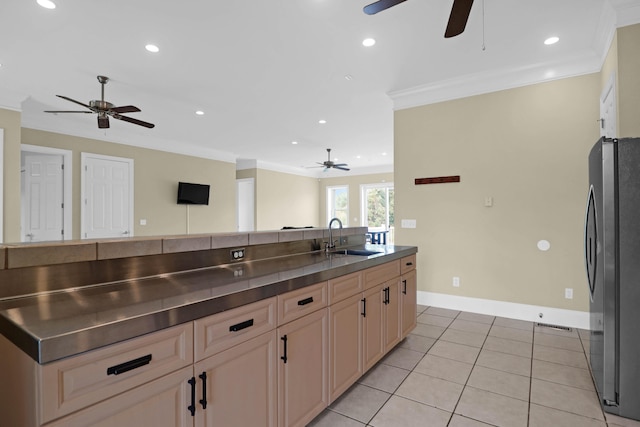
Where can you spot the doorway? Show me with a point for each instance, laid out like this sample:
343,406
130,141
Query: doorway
106,191
245,204
378,211
608,111
45,192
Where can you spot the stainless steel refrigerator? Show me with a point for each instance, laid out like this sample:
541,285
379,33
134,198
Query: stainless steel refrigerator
612,255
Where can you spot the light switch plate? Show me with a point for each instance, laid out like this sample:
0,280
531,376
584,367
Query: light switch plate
408,223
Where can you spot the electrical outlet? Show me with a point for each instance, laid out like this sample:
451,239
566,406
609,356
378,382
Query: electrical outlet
456,282
237,254
568,293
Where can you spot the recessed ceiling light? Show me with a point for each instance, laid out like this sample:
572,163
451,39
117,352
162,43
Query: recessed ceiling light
322,121
47,4
551,40
200,113
348,77
294,142
384,154
368,42
152,48
357,157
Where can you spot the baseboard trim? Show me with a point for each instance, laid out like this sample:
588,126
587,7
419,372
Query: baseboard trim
555,316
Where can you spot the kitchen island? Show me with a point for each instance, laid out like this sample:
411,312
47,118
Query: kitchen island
152,323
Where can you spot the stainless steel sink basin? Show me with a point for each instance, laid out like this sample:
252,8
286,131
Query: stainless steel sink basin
359,252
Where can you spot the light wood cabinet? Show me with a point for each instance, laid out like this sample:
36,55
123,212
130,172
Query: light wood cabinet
409,284
279,361
345,345
303,369
239,385
160,403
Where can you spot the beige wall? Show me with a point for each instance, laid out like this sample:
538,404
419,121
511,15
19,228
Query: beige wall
629,81
355,204
284,199
156,176
527,148
10,122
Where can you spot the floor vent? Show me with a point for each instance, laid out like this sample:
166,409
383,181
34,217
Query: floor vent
546,325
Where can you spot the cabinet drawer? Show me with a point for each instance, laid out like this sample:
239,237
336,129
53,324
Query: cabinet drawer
343,287
221,331
379,274
77,382
295,304
407,264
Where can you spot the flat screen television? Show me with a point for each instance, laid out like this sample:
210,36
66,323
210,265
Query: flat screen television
193,194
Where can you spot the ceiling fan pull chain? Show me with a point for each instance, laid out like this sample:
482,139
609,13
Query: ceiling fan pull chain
483,46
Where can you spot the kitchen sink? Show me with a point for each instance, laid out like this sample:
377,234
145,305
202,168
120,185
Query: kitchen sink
359,252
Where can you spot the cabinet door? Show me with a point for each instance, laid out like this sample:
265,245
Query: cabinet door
303,369
160,403
240,386
392,315
373,325
345,345
409,291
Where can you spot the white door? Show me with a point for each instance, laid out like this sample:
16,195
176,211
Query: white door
107,193
43,209
608,112
245,208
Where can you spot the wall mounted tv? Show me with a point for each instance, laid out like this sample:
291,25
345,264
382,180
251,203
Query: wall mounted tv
193,194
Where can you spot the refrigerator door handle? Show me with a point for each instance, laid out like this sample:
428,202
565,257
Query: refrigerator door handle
590,242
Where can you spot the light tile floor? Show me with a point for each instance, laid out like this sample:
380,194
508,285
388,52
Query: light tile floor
462,369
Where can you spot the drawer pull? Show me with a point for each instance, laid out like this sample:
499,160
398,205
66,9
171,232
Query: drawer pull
284,358
409,264
240,326
130,365
203,401
305,301
192,407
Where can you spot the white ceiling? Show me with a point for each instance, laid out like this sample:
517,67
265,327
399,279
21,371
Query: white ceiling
264,72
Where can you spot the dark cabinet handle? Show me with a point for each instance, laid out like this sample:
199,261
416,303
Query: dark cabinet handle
409,264
404,289
386,296
305,301
192,407
130,365
364,307
240,326
203,401
284,358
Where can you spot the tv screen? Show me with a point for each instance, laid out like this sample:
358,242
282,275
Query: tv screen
193,194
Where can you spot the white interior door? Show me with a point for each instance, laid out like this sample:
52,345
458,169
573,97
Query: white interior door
107,193
608,111
245,209
43,208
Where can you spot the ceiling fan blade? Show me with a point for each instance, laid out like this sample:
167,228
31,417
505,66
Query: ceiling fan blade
52,111
125,109
73,100
340,164
134,121
103,121
458,18
341,168
380,5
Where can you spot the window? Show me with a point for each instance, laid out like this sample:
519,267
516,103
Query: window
338,204
377,208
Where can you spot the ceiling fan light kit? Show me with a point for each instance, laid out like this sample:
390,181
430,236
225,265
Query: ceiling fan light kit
105,109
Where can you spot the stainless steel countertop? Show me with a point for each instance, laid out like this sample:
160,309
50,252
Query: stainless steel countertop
55,325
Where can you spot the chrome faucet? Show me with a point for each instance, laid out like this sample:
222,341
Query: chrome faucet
332,244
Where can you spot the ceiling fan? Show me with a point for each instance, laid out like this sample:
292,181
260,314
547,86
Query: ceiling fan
328,164
105,109
457,19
